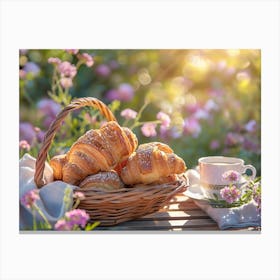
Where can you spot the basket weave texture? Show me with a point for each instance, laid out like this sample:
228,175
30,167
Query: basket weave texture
114,207
110,207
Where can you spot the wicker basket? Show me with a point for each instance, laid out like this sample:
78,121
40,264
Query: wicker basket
114,207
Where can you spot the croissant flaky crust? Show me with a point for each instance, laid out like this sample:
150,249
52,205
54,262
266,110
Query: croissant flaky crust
97,150
151,163
106,181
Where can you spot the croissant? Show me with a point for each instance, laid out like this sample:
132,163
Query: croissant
153,162
57,162
97,150
105,181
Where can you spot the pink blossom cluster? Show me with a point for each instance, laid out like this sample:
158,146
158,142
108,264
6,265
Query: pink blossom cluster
149,128
231,176
86,58
164,118
128,114
23,144
103,70
233,139
79,195
197,112
192,127
29,198
74,218
49,109
230,194
125,92
67,70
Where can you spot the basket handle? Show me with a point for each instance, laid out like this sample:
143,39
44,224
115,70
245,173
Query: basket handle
49,136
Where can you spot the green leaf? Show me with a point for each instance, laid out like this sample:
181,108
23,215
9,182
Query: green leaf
91,226
215,196
115,105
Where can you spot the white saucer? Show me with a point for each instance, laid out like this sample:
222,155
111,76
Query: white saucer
195,191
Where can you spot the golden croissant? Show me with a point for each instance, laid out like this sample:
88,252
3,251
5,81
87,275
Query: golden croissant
106,181
97,150
153,162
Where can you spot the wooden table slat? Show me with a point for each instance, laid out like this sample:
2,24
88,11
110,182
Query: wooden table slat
175,215
181,214
160,225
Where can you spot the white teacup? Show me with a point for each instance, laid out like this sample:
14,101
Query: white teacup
211,171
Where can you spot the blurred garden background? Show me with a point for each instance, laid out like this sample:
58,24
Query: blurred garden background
200,102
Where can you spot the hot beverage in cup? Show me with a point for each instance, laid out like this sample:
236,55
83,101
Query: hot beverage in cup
212,170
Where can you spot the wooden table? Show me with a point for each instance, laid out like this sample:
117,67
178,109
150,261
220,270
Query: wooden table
182,214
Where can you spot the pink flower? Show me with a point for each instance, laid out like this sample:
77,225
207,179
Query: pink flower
41,135
125,92
77,217
201,114
175,132
233,139
27,132
30,198
230,71
230,194
221,65
79,195
90,119
251,126
86,58
164,132
32,67
192,108
210,105
62,224
149,129
23,144
164,118
250,145
103,70
48,107
232,176
216,92
112,94
22,74
113,64
191,126
214,145
66,82
128,114
66,69
72,51
54,60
